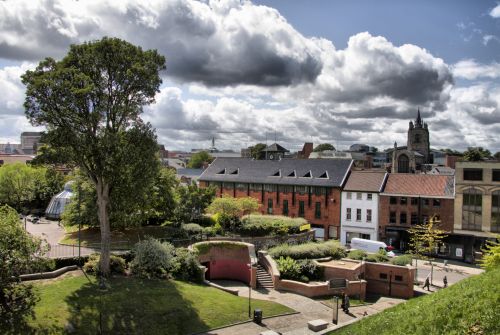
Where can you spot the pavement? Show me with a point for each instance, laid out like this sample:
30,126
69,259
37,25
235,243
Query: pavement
53,233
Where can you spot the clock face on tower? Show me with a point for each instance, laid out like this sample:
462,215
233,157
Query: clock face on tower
271,156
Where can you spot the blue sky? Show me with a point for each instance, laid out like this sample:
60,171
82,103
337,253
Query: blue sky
342,72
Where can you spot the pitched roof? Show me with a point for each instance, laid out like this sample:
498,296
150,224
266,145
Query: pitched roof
275,147
371,181
317,172
420,184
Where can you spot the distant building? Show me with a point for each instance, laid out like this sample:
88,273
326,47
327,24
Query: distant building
360,205
274,152
359,148
306,151
30,142
187,176
292,187
442,170
10,159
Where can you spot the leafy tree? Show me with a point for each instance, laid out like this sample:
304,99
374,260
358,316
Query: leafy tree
49,183
491,255
323,147
91,102
452,152
256,151
229,210
474,154
19,254
192,202
425,238
198,159
162,196
497,155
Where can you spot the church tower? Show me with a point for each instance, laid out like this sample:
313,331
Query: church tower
418,138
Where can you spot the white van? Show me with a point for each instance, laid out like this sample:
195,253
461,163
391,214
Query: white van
370,246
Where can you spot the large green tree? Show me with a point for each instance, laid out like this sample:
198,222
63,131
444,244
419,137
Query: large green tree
474,154
198,159
256,151
323,147
192,202
91,102
19,254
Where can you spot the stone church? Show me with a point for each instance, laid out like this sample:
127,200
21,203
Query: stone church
412,157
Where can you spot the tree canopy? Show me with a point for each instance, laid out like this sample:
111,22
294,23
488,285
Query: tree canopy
91,102
323,147
474,154
197,160
256,151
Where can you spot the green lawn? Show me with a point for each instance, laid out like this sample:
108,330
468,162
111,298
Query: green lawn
139,306
121,239
471,306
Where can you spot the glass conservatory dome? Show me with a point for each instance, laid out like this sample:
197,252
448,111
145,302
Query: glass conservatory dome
59,201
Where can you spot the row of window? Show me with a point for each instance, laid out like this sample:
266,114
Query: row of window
359,196
403,218
472,210
414,201
301,213
348,215
316,190
477,175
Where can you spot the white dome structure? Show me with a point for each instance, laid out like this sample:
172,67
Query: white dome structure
59,201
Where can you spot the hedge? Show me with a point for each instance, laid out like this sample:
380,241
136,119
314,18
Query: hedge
204,247
270,225
402,260
310,250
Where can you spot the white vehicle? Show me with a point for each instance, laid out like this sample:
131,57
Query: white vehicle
370,246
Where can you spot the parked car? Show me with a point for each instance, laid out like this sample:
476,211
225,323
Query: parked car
35,219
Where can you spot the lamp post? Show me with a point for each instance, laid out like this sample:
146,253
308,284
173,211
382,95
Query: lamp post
79,229
250,292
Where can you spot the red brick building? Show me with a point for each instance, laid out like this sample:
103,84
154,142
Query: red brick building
409,199
291,187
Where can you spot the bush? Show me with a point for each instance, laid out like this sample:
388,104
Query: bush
263,225
310,250
209,231
401,260
376,258
289,268
116,264
192,228
186,265
357,254
310,270
152,259
206,221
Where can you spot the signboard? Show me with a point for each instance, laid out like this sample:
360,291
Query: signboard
458,252
337,283
305,227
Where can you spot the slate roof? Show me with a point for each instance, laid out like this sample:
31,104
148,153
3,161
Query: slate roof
275,147
420,184
370,181
311,172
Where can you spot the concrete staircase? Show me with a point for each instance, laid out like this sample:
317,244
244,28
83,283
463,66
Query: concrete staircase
264,279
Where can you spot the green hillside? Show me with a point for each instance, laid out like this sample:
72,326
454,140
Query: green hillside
471,306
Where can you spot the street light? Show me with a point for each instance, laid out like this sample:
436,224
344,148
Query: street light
250,291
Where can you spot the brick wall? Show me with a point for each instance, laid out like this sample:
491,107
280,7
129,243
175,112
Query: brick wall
389,280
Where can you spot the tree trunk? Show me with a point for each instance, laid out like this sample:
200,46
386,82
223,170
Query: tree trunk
103,214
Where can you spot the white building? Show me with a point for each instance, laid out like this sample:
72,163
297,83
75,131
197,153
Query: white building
359,205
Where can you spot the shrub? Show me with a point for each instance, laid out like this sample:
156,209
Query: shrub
209,231
206,221
357,254
289,268
152,259
401,260
376,258
262,225
310,270
309,250
192,228
117,264
186,265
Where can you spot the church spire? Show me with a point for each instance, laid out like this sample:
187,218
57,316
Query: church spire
418,121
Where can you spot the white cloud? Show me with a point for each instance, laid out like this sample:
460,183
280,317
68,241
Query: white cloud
488,38
495,12
470,69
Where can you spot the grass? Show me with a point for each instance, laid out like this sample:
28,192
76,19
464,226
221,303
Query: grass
472,306
91,236
139,306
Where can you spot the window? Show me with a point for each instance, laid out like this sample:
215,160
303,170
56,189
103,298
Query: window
317,210
417,138
393,201
368,215
349,195
425,202
398,278
403,200
472,207
392,217
358,214
359,196
473,174
285,207
241,186
286,188
301,209
269,188
383,276
301,189
495,211
256,187
348,214
436,202
402,218
403,164
369,196
228,186
414,218
269,206
495,176
414,201
319,191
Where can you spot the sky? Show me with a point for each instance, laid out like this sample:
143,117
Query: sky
321,71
